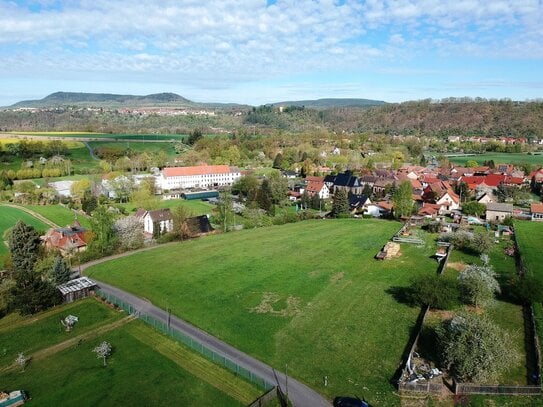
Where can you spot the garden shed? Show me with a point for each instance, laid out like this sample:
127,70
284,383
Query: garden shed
76,289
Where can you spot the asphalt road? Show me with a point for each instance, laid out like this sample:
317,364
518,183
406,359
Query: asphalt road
299,394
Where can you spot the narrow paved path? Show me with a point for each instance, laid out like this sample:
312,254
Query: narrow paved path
300,394
91,151
33,213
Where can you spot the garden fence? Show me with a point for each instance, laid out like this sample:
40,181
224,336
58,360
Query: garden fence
468,388
188,341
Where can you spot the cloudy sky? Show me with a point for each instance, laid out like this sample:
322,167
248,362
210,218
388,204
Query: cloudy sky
257,51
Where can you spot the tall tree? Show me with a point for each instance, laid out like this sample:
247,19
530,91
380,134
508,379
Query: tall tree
102,222
31,293
194,136
60,272
403,200
225,210
278,161
265,197
340,203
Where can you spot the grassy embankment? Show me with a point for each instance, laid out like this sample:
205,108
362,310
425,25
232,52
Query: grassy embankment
308,295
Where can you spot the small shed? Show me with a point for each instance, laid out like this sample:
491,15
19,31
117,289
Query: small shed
76,289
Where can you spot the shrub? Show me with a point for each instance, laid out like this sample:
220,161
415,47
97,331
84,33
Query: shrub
473,348
439,292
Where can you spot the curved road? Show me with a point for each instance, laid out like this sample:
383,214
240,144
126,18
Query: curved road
299,394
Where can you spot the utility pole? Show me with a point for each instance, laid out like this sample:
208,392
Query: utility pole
169,317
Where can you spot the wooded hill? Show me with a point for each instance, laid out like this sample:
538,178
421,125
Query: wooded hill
447,117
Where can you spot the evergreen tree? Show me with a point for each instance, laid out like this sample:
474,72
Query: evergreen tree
340,204
278,161
60,273
305,200
194,136
30,293
265,197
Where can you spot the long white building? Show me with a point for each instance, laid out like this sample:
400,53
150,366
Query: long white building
201,176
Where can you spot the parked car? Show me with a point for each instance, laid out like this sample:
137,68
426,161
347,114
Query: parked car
350,402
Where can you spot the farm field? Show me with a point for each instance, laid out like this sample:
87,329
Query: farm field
104,135
308,295
145,368
136,147
8,217
530,241
500,158
59,214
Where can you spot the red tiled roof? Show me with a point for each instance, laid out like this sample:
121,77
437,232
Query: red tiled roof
536,208
314,187
196,170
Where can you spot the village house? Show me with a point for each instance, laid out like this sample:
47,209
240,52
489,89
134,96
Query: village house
358,203
316,186
498,211
67,240
536,210
160,218
348,182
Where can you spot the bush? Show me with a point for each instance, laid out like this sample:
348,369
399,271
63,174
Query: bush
476,243
478,284
439,292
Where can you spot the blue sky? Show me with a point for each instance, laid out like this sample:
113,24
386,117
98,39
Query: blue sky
258,51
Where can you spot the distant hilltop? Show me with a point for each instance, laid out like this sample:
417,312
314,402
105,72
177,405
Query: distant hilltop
108,100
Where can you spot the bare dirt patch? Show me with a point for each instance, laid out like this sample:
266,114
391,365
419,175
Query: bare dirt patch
337,277
459,266
269,299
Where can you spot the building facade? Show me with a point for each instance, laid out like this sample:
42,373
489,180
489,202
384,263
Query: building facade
201,176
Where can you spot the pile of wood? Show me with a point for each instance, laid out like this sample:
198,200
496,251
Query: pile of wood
390,251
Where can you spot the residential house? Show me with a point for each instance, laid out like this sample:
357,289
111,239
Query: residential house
316,186
67,240
381,184
498,211
358,203
486,198
160,218
536,210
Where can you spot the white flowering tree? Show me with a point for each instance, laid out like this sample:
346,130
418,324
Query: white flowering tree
129,231
103,351
478,284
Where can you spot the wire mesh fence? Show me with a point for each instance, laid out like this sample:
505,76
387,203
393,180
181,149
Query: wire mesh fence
188,341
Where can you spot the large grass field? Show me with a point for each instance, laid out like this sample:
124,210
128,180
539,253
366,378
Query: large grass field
530,241
8,218
500,158
145,368
59,214
308,295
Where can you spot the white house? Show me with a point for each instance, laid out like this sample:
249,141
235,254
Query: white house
161,218
536,209
316,185
450,200
201,176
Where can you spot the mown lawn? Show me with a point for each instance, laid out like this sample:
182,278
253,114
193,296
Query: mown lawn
32,333
530,241
138,147
8,217
59,214
195,207
140,372
308,295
